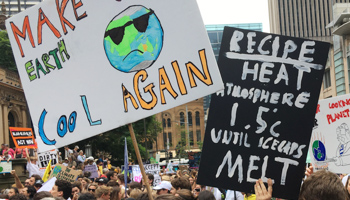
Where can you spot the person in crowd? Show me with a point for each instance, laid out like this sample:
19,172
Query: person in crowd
121,181
181,183
76,190
103,193
67,152
135,193
81,157
28,191
9,150
84,183
118,170
206,195
92,188
38,184
135,185
116,194
12,191
144,196
163,188
87,196
71,162
112,175
18,197
102,181
62,188
347,188
32,166
20,153
150,179
196,190
75,152
112,183
104,173
5,156
99,167
42,194
185,194
167,197
109,165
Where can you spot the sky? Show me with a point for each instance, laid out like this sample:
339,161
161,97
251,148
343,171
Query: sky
234,12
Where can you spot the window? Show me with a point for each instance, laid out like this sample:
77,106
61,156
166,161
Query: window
213,37
164,123
169,122
191,138
189,118
170,139
182,119
327,79
198,133
165,140
198,120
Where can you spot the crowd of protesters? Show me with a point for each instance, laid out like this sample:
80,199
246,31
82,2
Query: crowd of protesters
182,185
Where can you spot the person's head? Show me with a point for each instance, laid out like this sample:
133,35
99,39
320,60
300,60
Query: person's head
144,196
102,181
112,183
181,183
135,185
191,180
206,195
12,191
103,192
322,185
84,182
18,197
116,193
81,152
2,146
36,177
105,171
185,194
6,146
76,148
120,178
163,188
28,182
28,191
87,196
87,174
112,175
66,148
92,188
62,188
347,187
150,178
197,189
167,197
76,188
38,184
343,133
135,193
41,195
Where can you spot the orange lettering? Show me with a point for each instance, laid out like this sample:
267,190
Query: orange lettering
63,20
180,80
75,7
192,69
126,95
164,83
17,32
44,20
149,88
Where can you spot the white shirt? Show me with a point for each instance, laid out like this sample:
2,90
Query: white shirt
230,195
34,169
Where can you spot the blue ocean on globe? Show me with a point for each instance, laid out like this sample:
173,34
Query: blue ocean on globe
319,150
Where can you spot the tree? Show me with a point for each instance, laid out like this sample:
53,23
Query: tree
7,59
112,141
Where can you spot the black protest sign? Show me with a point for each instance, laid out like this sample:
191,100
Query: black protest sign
260,125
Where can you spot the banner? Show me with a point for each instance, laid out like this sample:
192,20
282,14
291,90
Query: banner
330,142
45,157
140,58
23,137
261,123
153,169
92,169
62,172
5,167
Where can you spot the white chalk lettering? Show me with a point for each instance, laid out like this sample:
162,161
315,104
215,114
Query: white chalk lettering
286,162
231,169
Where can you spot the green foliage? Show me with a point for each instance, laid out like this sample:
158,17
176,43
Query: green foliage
181,146
113,141
7,59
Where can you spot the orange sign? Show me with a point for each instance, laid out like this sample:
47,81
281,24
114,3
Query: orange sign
23,138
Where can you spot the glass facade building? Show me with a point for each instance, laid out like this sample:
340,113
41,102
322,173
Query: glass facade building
215,36
11,7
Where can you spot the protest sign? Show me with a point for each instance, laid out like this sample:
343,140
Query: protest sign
92,169
45,157
62,172
5,167
23,137
330,141
153,169
142,60
260,125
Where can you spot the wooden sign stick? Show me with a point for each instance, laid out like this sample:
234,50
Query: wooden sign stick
137,151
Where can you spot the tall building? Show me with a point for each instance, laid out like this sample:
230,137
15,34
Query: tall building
12,7
315,19
215,35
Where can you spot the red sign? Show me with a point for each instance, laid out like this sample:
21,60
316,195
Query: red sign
23,138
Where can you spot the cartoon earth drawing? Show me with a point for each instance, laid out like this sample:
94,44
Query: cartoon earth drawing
133,39
1,169
319,150
56,170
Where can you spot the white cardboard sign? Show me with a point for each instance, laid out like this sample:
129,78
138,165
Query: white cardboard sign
330,142
90,66
45,157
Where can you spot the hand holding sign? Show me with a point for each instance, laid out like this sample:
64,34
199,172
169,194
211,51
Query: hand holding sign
260,190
